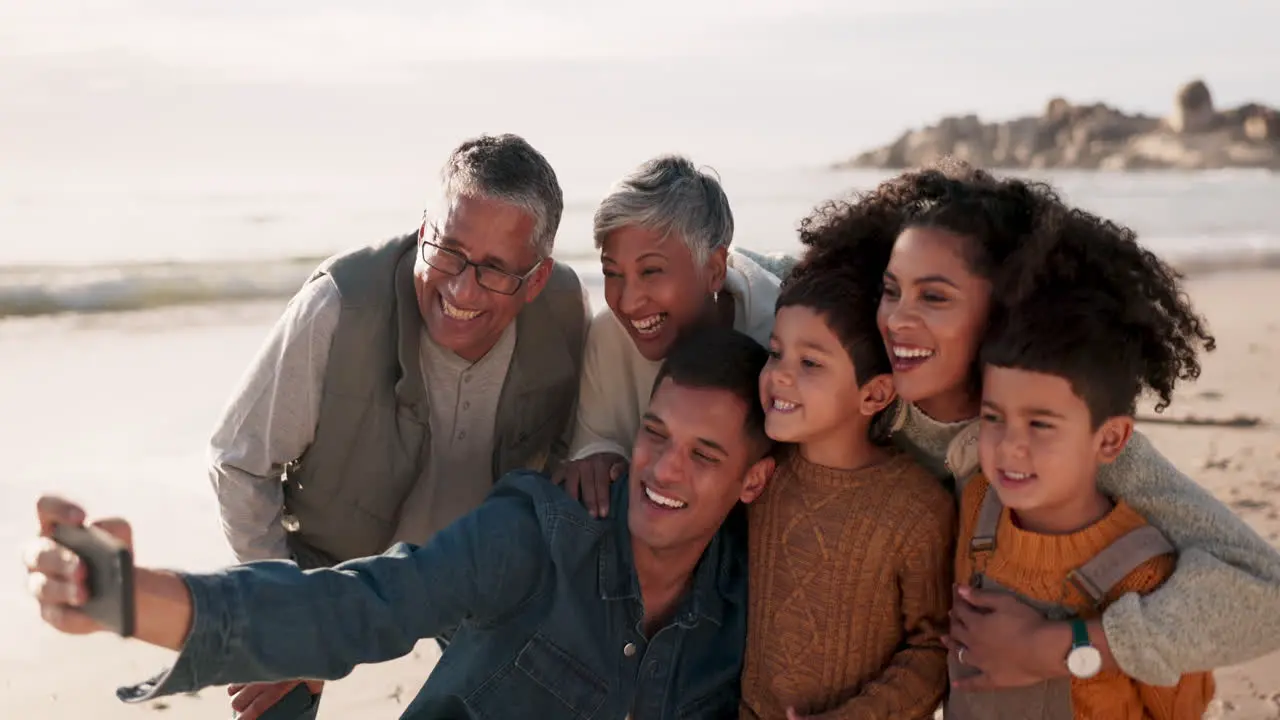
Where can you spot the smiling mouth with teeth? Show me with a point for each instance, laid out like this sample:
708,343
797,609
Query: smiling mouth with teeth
1008,476
650,325
662,500
910,352
906,357
456,313
783,406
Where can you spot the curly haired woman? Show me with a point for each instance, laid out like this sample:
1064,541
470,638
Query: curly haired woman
945,243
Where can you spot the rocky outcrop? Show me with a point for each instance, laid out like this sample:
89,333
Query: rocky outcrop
1195,136
1193,109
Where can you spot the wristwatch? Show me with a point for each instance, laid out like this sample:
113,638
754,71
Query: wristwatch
1083,661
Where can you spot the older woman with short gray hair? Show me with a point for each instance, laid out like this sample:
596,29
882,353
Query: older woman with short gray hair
664,233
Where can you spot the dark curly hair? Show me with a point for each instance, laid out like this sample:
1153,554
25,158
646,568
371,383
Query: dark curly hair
1084,301
994,214
828,284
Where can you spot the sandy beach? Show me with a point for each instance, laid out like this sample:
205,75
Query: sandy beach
115,410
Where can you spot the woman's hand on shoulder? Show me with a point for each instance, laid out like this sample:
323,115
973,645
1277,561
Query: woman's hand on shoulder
590,478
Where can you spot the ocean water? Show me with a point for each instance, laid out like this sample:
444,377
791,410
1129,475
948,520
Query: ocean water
152,242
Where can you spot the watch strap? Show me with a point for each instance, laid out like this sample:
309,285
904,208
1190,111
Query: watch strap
1079,633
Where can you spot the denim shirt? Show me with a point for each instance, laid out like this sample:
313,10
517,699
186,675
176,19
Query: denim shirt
546,604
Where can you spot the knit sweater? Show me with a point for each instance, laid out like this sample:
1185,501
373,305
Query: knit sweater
1036,566
926,439
617,380
850,584
1227,577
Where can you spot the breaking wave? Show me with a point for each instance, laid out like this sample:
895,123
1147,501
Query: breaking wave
27,291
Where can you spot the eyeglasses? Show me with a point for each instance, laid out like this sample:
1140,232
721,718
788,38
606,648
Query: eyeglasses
451,262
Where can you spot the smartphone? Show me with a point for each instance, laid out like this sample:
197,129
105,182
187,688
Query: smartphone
110,575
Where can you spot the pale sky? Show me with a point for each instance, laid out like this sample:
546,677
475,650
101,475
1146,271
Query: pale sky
325,40
98,84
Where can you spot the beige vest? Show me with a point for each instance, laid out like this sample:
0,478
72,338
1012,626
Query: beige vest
372,440
1049,700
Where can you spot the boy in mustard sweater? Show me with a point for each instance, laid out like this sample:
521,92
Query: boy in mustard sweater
1099,320
851,542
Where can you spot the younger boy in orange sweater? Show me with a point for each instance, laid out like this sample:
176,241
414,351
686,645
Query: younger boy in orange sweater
1102,320
851,542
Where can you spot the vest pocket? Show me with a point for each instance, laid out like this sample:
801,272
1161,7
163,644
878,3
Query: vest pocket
559,674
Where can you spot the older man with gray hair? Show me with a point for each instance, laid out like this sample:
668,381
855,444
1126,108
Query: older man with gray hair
664,233
406,377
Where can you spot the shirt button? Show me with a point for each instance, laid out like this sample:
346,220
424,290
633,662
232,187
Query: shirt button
466,405
629,649
466,378
462,435
290,522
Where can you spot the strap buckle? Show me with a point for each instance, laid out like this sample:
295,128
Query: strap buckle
1085,586
980,544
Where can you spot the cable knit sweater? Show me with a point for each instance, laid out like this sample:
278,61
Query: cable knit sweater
1219,607
1036,566
849,590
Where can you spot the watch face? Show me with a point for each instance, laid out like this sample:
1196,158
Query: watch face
1084,662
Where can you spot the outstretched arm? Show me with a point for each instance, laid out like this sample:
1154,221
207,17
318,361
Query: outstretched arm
271,621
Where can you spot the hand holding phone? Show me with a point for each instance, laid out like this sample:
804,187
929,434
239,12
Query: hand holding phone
109,577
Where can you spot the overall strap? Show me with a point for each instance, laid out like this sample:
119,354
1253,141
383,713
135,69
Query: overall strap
1097,577
984,531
